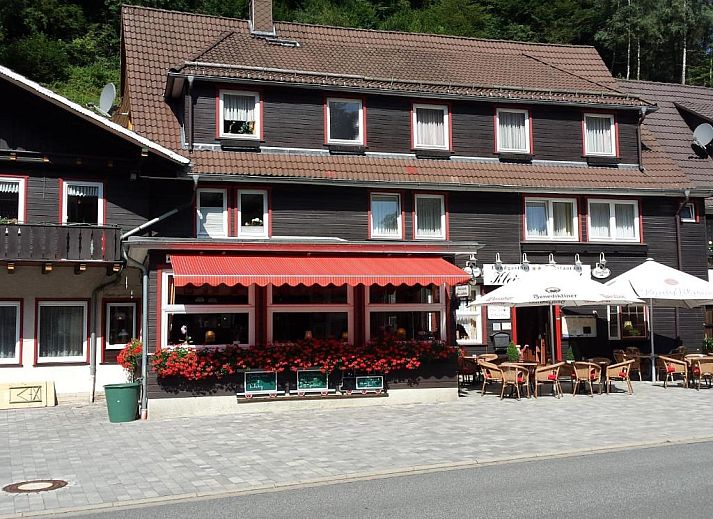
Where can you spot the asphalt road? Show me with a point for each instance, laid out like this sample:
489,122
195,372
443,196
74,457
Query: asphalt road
671,482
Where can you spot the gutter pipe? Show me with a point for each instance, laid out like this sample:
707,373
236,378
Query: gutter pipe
642,116
145,292
93,337
679,253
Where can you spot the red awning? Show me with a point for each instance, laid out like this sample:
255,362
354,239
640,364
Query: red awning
313,270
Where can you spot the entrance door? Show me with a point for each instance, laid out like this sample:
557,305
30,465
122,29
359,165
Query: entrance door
533,330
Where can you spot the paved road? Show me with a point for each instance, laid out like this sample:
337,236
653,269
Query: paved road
668,482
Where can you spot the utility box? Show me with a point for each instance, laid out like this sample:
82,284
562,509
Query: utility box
500,341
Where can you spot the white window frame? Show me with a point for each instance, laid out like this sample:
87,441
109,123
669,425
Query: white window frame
85,331
21,195
265,233
100,200
612,220
614,135
258,115
498,139
399,220
466,310
16,359
132,332
167,309
406,307
416,235
224,192
347,308
691,206
618,336
551,219
446,126
362,122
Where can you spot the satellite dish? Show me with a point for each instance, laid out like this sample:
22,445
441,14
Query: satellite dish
108,95
702,137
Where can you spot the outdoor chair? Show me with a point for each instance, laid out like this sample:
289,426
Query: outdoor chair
702,368
619,356
679,350
674,367
492,374
586,373
515,376
549,375
487,357
467,370
634,353
619,371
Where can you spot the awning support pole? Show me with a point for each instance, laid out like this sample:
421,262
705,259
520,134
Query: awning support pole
552,333
651,333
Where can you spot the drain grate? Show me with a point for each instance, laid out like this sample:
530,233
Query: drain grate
36,485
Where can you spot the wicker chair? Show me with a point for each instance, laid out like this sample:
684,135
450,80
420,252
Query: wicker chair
586,373
702,368
674,367
634,353
467,370
619,371
515,376
549,375
487,357
492,374
619,356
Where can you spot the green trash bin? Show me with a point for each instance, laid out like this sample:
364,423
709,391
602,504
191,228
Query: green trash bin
122,401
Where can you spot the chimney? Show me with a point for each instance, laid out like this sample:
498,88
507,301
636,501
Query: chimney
261,18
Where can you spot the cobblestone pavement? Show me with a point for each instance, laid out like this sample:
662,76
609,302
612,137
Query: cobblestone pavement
106,463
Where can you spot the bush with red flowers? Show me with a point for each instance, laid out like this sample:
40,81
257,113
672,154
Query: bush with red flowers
129,358
381,356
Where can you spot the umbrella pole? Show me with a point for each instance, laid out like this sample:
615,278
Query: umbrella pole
651,333
552,333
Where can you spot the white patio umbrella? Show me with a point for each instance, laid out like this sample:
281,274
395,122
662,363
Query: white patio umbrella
551,287
663,286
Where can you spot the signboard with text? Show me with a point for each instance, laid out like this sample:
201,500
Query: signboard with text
507,273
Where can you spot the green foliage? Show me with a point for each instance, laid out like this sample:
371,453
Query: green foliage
512,352
569,354
708,344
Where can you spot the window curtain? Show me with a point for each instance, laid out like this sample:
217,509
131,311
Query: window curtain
8,331
239,109
384,215
625,221
428,216
512,131
9,187
563,215
536,216
430,127
62,332
599,220
82,191
599,135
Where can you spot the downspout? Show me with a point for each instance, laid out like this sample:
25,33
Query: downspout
679,253
93,337
145,292
642,116
190,113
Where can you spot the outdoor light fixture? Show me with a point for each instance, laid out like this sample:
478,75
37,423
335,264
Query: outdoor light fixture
471,268
46,268
551,260
601,271
498,262
577,263
11,268
525,262
81,268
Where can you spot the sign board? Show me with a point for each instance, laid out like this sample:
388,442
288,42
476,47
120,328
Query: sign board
462,290
498,312
370,383
579,326
509,272
260,382
312,381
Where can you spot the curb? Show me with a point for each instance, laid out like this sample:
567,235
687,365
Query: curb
348,478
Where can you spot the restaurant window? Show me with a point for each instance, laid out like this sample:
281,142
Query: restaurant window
430,217
431,126
628,322
345,121
513,130
688,213
386,215
9,332
120,324
83,202
206,315
62,331
599,135
240,115
12,200
309,312
252,213
613,220
469,323
406,312
551,219
212,213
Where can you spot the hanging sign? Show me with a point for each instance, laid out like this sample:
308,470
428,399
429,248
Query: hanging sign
509,272
462,290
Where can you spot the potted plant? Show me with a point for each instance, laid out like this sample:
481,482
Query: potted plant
513,352
122,400
130,359
569,354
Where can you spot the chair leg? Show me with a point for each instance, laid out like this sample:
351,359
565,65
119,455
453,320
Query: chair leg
558,390
536,384
527,385
502,391
591,391
517,390
574,387
485,381
631,388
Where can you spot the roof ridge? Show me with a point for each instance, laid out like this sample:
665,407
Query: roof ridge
547,63
667,83
361,29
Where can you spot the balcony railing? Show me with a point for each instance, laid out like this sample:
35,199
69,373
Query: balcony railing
48,242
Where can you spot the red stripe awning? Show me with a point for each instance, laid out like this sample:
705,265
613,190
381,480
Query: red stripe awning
313,270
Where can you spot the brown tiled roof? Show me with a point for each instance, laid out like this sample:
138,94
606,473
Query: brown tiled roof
157,40
669,126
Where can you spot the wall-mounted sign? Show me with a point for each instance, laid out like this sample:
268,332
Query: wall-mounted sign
462,290
509,272
498,312
260,383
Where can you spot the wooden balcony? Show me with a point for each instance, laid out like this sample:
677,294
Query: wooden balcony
47,242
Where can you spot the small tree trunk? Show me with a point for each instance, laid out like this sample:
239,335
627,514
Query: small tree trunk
628,43
685,47
638,58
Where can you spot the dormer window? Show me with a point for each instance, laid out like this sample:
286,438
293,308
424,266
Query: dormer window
599,135
430,127
240,116
345,121
513,131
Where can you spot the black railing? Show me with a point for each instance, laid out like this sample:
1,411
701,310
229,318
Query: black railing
48,242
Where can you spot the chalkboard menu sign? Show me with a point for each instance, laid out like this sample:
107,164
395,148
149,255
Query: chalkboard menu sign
312,381
260,382
370,383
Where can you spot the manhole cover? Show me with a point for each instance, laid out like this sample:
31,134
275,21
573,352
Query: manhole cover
36,485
